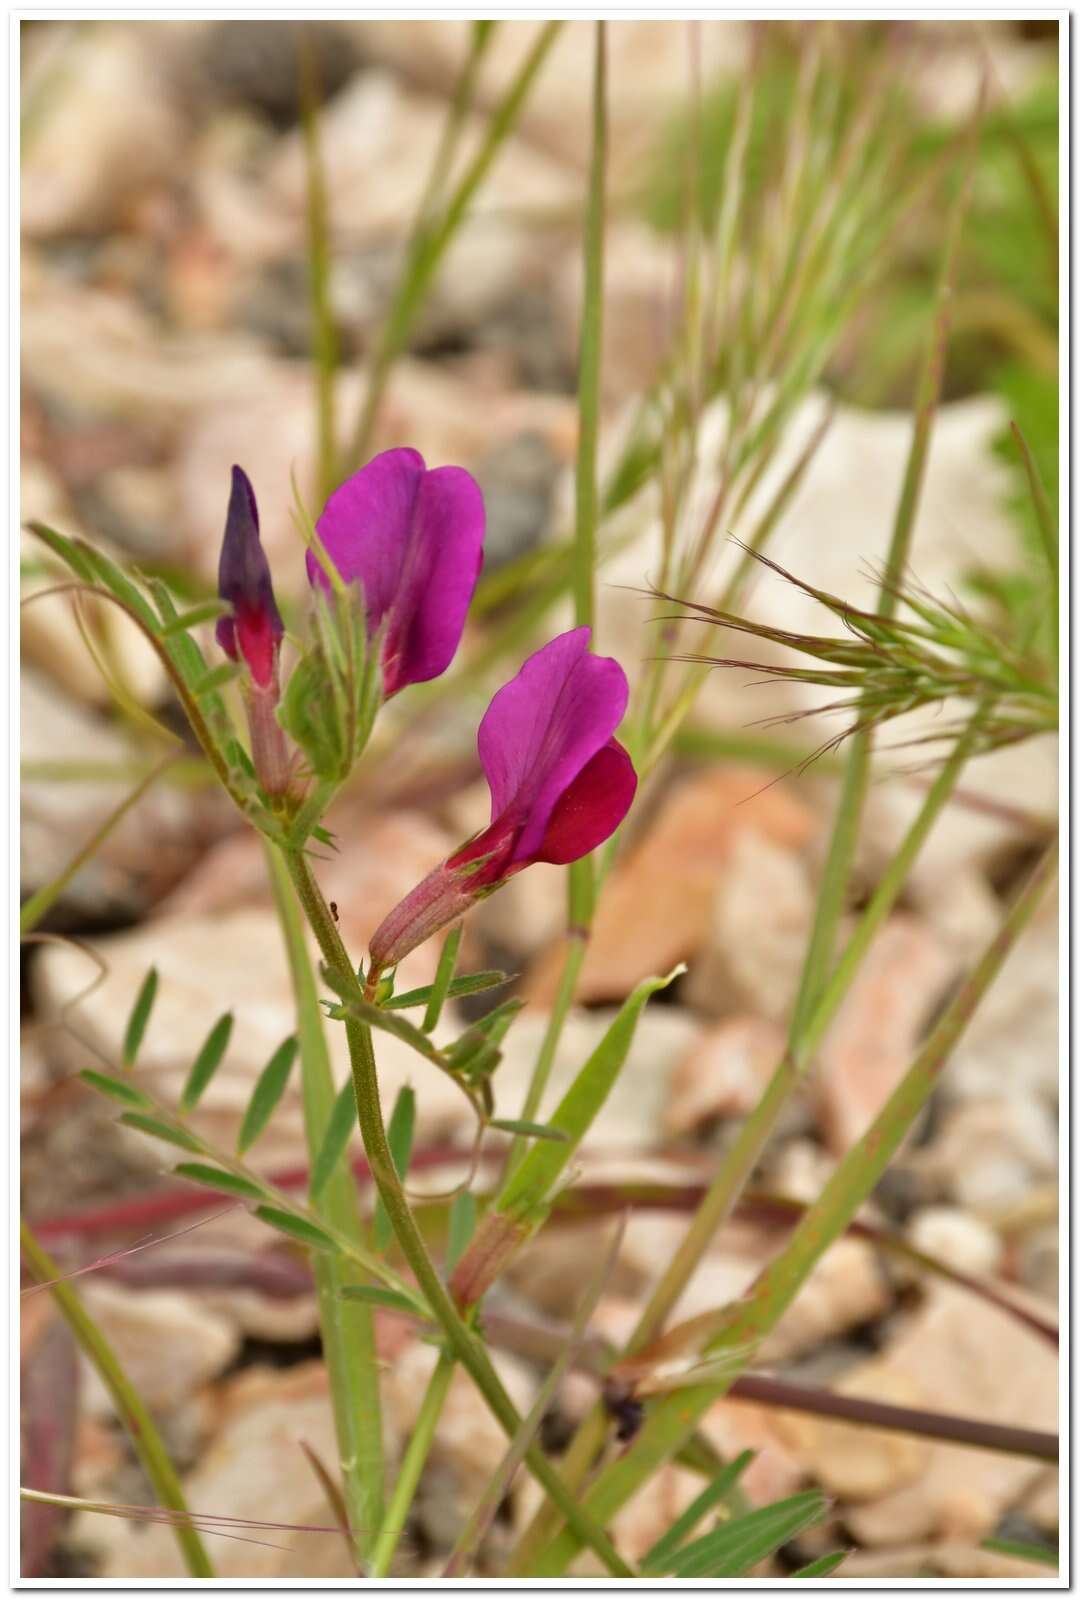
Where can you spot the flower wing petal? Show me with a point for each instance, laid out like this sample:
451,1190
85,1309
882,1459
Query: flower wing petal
590,810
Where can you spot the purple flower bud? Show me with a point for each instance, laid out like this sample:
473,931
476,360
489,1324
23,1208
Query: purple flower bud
560,785
254,628
413,540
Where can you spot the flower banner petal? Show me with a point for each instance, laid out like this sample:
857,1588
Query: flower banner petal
544,726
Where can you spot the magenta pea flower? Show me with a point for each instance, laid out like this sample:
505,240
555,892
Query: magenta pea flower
252,631
413,540
560,785
252,628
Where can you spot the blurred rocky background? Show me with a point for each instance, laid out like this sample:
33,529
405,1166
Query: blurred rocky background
166,333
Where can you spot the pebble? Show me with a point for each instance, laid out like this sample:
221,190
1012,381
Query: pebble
878,1026
676,869
956,1237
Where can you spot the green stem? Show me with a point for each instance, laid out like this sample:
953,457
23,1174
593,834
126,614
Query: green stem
463,1344
144,1434
590,349
348,1328
412,1466
1047,525
324,333
675,1416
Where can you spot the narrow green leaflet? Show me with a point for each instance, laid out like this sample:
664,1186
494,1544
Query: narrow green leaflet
399,1135
339,1130
506,1124
207,612
217,677
109,574
443,977
532,1181
472,983
162,1130
385,1299
267,1093
226,1181
116,1088
665,1547
304,1232
63,547
140,1015
207,1062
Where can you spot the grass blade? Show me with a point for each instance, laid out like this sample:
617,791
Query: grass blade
665,1547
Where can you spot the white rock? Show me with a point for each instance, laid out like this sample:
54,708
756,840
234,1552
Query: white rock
256,1469
168,1342
989,1152
1011,1048
100,355
761,920
648,67
872,1040
724,1074
859,1464
969,1358
851,489
468,1439
958,1238
633,1113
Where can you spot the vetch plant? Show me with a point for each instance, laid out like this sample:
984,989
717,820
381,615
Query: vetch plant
393,562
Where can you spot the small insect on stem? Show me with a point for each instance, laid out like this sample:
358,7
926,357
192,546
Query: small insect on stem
333,910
